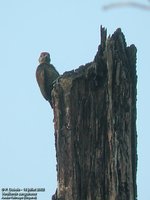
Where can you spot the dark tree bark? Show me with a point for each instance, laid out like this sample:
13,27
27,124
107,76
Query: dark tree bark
95,125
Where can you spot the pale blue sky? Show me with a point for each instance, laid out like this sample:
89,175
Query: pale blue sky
69,30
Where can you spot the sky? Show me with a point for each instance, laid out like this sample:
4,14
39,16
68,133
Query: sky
70,31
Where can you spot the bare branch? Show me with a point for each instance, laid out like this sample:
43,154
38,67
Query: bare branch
127,4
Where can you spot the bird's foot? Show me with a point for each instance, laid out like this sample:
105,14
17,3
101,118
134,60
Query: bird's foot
56,81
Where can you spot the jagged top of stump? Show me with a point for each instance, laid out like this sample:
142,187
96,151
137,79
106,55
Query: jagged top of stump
98,65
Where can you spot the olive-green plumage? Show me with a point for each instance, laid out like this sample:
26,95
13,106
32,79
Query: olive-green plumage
46,74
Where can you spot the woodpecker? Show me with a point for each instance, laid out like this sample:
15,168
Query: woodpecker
46,75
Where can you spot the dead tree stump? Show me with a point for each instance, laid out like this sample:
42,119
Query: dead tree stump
95,125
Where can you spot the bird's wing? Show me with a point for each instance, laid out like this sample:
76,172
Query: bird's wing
51,75
46,74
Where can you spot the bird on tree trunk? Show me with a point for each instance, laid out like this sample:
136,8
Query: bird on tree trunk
46,75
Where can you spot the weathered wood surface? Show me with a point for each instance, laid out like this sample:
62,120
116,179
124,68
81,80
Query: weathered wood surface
95,125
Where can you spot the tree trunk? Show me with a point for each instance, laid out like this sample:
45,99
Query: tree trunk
95,125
